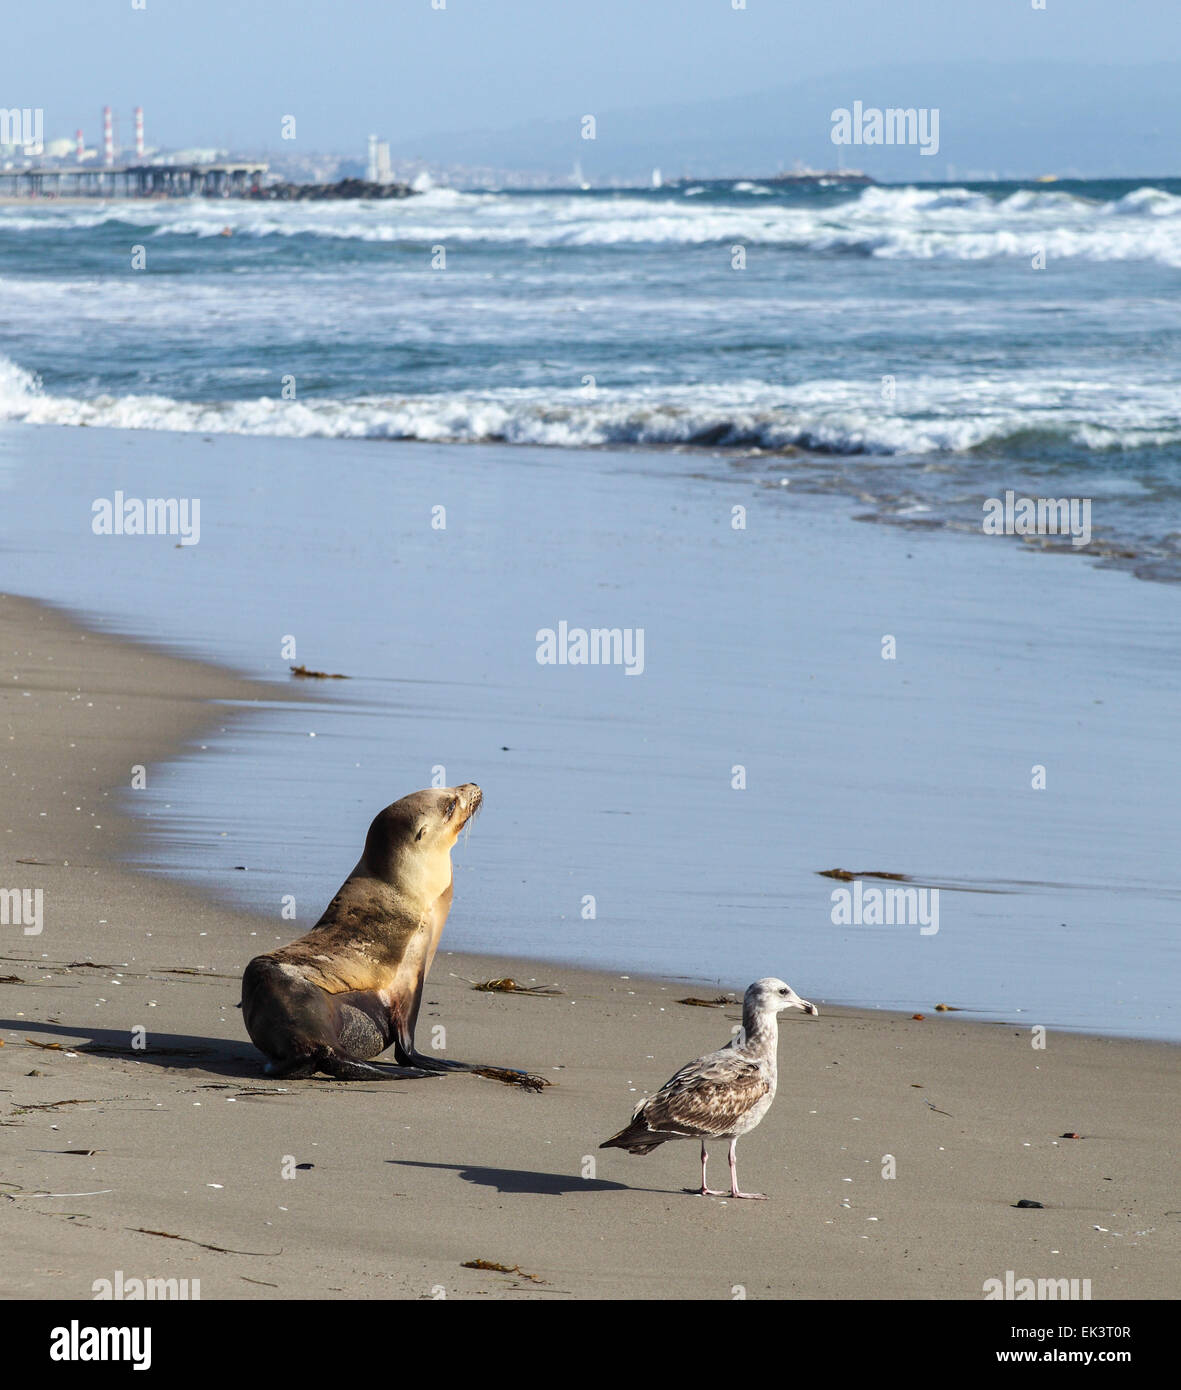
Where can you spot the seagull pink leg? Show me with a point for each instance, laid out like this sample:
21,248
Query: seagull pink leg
707,1191
734,1192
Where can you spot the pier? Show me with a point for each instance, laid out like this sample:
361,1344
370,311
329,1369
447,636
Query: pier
223,180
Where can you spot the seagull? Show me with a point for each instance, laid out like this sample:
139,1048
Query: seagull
722,1095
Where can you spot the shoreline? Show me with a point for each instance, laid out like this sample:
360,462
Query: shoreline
1033,883
731,462
409,1180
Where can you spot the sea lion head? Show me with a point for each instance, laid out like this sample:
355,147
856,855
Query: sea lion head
409,843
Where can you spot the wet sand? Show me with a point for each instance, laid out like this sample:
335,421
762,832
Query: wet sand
184,1144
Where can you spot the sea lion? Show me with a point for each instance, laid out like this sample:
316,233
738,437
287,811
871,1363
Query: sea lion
352,986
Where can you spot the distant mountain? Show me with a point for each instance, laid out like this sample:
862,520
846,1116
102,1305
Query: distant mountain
1011,119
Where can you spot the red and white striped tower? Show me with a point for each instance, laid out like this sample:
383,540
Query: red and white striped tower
80,147
108,137
139,132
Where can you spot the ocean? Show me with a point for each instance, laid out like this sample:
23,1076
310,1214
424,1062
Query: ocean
916,348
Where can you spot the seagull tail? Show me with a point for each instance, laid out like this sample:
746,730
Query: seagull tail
637,1138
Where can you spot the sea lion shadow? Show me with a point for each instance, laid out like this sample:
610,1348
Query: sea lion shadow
169,1051
520,1179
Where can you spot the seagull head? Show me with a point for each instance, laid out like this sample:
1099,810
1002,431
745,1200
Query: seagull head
772,996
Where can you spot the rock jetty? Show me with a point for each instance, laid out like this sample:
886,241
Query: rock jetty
344,188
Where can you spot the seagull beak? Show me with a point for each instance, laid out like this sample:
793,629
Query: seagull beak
809,1008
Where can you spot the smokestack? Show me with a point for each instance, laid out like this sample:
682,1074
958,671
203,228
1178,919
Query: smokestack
139,132
108,137
81,146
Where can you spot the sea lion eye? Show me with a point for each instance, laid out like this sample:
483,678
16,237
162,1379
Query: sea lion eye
421,833
451,805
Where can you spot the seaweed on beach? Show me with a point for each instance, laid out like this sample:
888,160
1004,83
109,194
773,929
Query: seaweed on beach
510,986
108,1050
305,674
20,1108
496,1268
707,1003
524,1079
220,1249
847,875
145,975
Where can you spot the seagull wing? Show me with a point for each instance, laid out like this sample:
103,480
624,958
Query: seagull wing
707,1097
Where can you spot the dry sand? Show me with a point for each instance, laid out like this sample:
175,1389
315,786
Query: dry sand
184,1144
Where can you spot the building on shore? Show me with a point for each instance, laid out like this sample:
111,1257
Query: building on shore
378,169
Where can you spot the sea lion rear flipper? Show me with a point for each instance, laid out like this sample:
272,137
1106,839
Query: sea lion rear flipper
407,1056
329,1062
296,1066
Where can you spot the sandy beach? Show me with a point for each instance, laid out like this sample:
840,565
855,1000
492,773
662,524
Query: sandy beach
168,1161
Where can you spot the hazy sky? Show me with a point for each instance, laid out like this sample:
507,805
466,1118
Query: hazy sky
226,71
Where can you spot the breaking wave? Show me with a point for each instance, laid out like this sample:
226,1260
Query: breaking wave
828,417
910,223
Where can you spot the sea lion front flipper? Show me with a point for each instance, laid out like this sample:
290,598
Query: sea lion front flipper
435,1065
511,1076
407,1055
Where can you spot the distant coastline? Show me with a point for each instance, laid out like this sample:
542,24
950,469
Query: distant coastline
804,178
817,176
